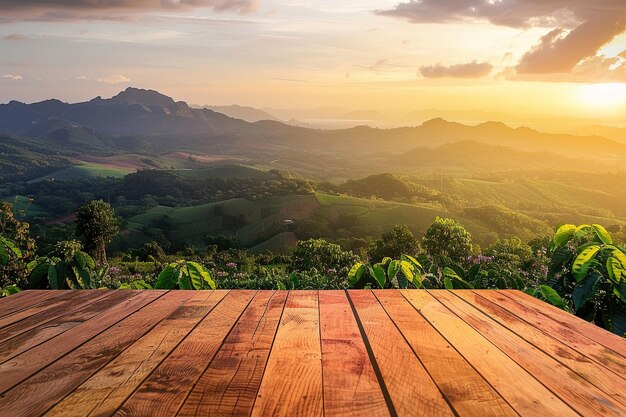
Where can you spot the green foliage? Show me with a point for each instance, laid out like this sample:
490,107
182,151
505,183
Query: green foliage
393,244
9,290
322,256
16,247
185,275
67,266
139,284
588,272
446,240
97,224
405,272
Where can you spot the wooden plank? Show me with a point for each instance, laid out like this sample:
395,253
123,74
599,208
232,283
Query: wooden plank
105,391
565,329
411,389
577,325
466,390
27,340
229,385
351,387
593,372
519,388
292,383
38,393
28,363
165,390
25,299
575,391
59,306
39,308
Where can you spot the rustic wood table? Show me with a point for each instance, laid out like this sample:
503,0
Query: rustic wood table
303,353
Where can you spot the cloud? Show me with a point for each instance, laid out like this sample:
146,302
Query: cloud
559,51
579,27
114,79
472,69
16,37
622,54
12,77
67,10
597,69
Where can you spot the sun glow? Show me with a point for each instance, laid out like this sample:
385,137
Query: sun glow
603,96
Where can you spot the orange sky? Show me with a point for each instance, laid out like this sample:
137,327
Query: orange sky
534,58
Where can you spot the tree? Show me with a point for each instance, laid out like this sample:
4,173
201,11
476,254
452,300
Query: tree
16,248
446,240
97,225
151,251
400,241
322,256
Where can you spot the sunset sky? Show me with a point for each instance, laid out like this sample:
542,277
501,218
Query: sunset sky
536,57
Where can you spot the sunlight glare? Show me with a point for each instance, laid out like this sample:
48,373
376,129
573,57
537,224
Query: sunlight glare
603,96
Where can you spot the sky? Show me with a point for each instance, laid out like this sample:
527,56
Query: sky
541,58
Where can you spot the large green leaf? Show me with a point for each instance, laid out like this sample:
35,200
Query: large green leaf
602,234
563,234
378,273
412,260
615,269
193,270
168,278
550,295
583,262
38,275
585,290
454,280
53,278
392,269
619,255
582,230
84,260
356,273
408,270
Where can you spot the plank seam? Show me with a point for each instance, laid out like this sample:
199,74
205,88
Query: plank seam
370,353
503,352
445,397
269,353
572,329
457,350
548,335
164,358
85,342
182,403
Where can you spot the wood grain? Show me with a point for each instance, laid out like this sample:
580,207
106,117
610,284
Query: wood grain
593,372
165,390
41,391
50,329
519,388
405,378
570,322
466,390
27,363
25,300
104,392
292,383
230,384
575,391
351,387
563,325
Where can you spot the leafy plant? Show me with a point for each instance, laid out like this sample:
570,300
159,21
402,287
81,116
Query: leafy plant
139,284
67,266
9,290
185,275
589,271
406,272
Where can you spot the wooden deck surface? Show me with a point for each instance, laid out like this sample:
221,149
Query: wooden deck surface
303,353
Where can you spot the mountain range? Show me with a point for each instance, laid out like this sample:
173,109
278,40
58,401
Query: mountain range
148,123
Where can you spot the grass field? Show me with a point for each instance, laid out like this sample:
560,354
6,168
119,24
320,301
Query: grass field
85,171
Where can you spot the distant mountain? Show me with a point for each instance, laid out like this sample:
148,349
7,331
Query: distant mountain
615,133
146,122
249,114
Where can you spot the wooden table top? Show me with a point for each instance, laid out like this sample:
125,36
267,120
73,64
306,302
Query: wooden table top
303,353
